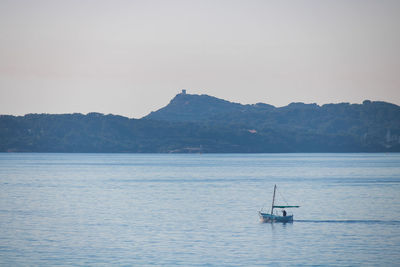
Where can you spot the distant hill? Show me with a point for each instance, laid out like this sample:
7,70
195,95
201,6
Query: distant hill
201,123
186,107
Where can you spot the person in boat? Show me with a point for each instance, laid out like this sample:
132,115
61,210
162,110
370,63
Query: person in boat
284,213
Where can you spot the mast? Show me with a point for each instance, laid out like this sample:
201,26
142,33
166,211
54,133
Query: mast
273,200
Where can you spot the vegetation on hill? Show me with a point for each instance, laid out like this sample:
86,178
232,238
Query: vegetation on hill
201,123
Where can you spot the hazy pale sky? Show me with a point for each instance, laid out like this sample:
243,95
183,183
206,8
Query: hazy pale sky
132,57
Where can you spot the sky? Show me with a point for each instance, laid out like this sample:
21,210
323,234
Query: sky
132,57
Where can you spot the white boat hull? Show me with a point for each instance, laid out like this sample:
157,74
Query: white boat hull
266,217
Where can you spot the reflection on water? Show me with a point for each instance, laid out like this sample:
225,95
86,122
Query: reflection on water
170,210
350,221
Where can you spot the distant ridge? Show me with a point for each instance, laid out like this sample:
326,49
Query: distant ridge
205,124
187,107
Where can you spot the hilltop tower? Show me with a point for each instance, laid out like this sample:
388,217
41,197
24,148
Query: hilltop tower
183,91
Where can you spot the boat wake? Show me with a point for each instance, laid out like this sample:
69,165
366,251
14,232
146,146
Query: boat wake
351,221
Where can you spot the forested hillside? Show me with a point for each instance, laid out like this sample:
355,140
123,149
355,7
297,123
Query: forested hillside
201,123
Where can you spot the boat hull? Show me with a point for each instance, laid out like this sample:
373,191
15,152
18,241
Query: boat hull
266,217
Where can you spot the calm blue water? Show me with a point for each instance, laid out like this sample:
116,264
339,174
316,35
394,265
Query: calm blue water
169,210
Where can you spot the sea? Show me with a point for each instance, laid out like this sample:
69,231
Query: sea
198,209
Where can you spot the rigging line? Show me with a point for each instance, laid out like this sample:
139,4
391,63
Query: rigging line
283,198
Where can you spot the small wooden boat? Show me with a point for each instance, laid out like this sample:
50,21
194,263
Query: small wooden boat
275,217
